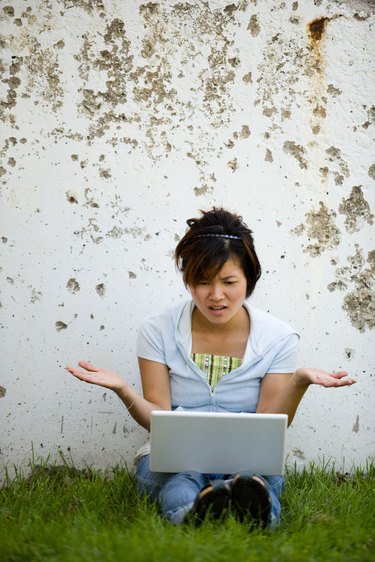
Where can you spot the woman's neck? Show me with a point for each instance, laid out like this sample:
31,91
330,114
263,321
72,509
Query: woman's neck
228,339
239,323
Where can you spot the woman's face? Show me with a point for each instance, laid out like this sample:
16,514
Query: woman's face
220,299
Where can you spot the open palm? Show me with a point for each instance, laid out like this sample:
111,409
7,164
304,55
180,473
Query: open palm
94,375
323,378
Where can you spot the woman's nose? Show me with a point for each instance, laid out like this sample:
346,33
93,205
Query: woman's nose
216,291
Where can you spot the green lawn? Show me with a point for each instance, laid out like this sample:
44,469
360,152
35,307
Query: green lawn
62,514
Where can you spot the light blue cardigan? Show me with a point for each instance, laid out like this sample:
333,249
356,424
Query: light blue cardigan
165,337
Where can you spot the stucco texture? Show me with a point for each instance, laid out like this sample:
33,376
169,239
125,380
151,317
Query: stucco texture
120,120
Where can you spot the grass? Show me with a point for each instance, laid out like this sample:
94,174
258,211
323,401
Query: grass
64,514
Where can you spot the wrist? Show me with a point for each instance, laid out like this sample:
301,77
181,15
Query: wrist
301,378
125,392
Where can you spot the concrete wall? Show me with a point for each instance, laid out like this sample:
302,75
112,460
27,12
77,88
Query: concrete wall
119,121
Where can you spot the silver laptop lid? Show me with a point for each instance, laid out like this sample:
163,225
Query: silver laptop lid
215,442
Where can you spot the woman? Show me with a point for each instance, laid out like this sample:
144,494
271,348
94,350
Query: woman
215,352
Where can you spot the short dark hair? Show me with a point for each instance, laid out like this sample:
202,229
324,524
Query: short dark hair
200,254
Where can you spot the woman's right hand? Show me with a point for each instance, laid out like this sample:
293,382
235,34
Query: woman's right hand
102,377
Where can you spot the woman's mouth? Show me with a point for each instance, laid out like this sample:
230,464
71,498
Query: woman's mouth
217,308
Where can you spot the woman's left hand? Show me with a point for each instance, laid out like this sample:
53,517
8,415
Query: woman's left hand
323,378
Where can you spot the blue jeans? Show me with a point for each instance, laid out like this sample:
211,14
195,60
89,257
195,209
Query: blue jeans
175,493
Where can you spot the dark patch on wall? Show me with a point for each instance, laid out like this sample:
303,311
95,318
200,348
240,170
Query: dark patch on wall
317,28
299,454
100,289
60,325
71,198
288,58
2,392
9,11
356,425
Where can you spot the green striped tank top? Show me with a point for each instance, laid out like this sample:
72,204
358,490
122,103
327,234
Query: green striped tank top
215,366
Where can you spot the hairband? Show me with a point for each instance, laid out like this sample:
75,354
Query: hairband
231,236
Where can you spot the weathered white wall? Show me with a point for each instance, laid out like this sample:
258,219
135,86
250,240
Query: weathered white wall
122,119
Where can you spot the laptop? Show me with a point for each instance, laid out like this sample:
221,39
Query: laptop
216,442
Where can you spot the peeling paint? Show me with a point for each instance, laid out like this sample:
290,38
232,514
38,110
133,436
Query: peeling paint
116,62
321,226
73,285
203,190
297,151
254,26
336,159
87,5
370,118
359,302
233,164
356,209
268,157
150,85
35,296
247,78
243,134
333,91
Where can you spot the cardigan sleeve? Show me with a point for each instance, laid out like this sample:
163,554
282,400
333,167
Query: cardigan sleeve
150,344
285,360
